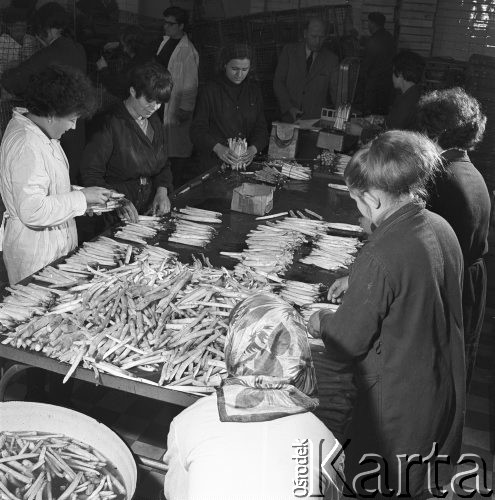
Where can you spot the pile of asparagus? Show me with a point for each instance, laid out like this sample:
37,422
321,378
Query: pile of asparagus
170,319
42,466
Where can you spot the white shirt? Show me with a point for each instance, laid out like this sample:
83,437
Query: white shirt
39,201
210,459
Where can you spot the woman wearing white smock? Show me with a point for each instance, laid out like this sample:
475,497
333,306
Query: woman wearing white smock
39,224
177,53
256,438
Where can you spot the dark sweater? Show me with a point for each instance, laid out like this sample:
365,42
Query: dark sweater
226,110
402,115
119,153
461,197
400,326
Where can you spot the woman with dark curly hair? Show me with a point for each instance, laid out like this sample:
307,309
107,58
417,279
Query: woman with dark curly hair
51,22
127,150
230,106
454,120
34,172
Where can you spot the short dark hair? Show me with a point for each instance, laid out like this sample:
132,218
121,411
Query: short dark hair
235,51
152,80
397,162
50,15
410,65
452,117
60,91
134,36
181,15
377,18
315,19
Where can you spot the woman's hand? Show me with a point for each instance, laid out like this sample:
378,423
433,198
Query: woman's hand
225,154
161,202
128,212
248,156
96,195
101,63
314,325
337,289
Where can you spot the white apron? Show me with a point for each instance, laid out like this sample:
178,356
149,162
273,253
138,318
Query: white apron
183,67
40,205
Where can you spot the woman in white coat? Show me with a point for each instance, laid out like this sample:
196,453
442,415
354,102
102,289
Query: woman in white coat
40,203
256,438
177,53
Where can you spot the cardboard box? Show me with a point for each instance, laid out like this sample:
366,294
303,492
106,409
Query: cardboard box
256,199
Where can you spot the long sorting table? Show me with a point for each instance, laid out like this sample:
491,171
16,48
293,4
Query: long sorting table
212,191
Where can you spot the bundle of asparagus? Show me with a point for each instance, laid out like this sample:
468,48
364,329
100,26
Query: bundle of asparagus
290,169
342,226
332,252
300,293
23,302
103,252
39,466
239,147
192,226
271,247
268,174
334,162
308,310
147,227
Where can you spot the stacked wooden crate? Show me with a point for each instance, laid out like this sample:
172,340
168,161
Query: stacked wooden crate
480,80
415,21
464,27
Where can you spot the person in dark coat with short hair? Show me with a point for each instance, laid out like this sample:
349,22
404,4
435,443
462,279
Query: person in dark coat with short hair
400,322
229,107
127,151
455,121
51,23
375,75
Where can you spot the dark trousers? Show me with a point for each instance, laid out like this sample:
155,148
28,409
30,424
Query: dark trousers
473,311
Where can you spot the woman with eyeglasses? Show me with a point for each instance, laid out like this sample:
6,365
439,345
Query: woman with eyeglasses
126,151
230,106
177,53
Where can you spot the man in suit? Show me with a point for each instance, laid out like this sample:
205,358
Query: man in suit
307,75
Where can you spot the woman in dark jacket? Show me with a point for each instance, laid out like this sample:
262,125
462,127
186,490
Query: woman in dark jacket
454,120
127,150
51,23
400,322
229,107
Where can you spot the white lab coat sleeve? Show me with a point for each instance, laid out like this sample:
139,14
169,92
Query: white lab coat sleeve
34,206
175,484
189,88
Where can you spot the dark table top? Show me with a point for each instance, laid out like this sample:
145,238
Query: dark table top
213,191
